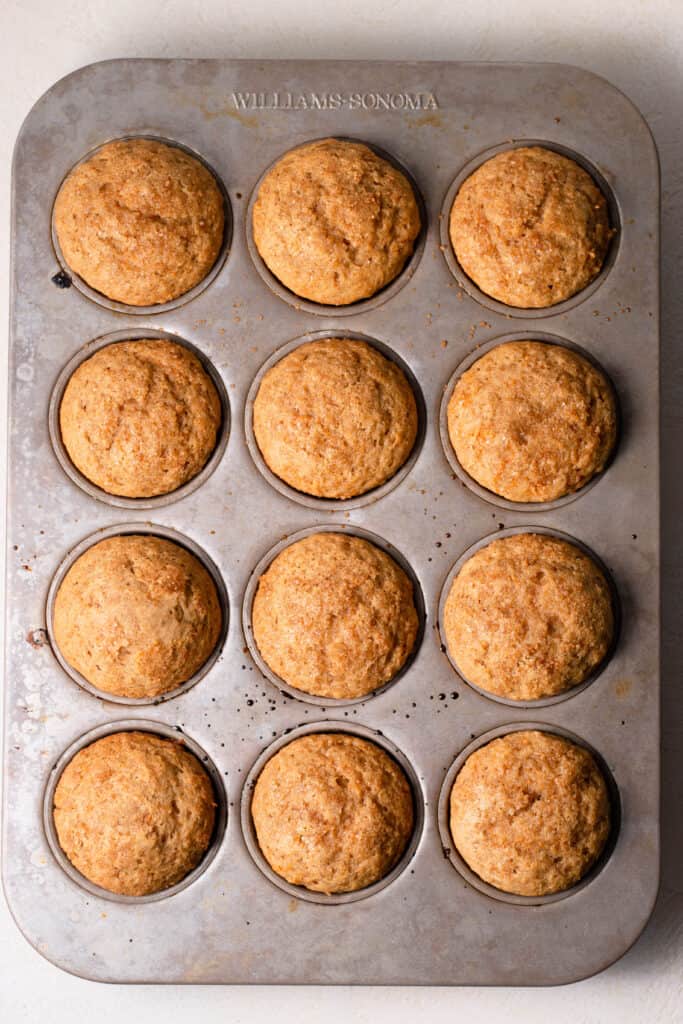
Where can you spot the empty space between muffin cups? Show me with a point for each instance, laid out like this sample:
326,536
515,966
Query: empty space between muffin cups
385,292
346,729
152,531
466,282
465,477
374,493
93,490
458,862
542,531
162,731
181,299
265,563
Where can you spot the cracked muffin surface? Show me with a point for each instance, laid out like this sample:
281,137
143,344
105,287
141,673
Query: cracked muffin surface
140,418
334,222
134,813
530,813
335,418
532,421
137,616
530,227
334,616
528,616
140,221
332,812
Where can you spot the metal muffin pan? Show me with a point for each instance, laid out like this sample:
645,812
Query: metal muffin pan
232,923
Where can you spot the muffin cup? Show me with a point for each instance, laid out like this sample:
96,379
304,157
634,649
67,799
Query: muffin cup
119,501
466,282
164,732
544,531
249,832
449,451
363,305
162,307
128,529
250,593
449,848
334,504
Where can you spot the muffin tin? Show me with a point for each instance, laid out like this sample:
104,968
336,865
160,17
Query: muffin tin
430,921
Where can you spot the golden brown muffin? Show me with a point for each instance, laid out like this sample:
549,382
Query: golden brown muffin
140,418
332,812
334,222
137,616
532,421
334,616
134,813
140,221
528,616
530,813
530,227
335,418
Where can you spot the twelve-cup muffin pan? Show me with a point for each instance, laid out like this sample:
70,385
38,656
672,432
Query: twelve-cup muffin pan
232,921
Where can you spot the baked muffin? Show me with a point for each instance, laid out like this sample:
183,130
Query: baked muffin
528,616
530,813
332,812
134,813
334,616
334,222
530,227
532,421
137,616
140,221
140,418
335,418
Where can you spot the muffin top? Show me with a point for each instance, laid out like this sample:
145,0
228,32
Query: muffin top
334,616
528,616
335,418
140,221
134,813
530,813
532,421
530,227
137,616
140,418
334,222
332,812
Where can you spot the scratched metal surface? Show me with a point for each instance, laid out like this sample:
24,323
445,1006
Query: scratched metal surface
231,924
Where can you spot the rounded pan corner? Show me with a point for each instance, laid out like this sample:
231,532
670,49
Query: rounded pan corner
592,971
34,945
604,83
58,86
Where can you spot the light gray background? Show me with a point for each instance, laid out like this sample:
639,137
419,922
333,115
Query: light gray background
637,45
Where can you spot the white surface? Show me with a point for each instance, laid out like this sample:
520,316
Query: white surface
634,43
